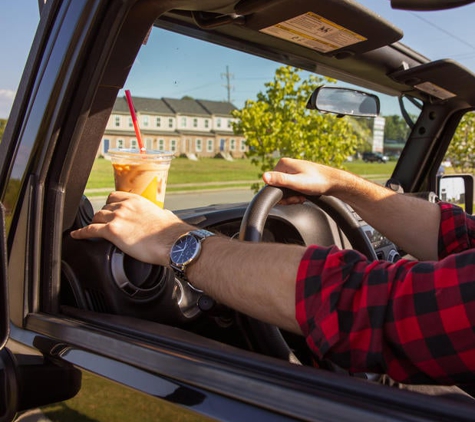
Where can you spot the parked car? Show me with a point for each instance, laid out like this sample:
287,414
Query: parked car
110,338
374,157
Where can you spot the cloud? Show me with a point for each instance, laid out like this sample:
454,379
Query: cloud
6,101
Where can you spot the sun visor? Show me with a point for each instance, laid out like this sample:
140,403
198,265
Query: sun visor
332,27
432,79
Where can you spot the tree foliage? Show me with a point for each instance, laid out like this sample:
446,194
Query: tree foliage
461,150
278,124
395,128
3,123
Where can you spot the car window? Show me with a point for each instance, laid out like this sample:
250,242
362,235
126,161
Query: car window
460,157
459,161
227,117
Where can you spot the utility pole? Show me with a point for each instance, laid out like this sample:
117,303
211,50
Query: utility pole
228,76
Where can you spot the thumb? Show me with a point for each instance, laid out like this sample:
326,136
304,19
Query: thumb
277,178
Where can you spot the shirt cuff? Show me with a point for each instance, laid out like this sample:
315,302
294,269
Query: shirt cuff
453,230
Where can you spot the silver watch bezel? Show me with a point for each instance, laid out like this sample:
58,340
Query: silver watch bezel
199,235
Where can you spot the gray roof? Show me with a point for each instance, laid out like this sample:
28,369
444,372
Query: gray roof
217,107
175,106
186,106
141,104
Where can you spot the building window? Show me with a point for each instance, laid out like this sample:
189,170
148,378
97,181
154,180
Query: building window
148,143
243,145
232,144
206,123
170,123
145,121
198,145
130,122
173,145
117,121
161,144
183,122
209,145
218,122
158,122
229,124
133,143
195,122
120,143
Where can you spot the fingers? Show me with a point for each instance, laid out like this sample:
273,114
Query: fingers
288,165
276,178
293,200
119,196
88,232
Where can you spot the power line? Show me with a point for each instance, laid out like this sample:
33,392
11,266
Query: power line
444,31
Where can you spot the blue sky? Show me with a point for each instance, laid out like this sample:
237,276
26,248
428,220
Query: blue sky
444,34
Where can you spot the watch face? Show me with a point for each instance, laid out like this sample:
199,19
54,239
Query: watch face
184,250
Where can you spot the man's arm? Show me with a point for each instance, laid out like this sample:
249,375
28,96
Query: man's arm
411,223
254,278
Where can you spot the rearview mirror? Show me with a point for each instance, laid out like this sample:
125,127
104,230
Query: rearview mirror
344,101
428,5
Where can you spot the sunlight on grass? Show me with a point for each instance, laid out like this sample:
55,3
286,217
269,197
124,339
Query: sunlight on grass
101,400
214,170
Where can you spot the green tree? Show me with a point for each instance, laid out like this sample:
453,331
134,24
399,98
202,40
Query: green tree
395,128
3,123
461,150
278,124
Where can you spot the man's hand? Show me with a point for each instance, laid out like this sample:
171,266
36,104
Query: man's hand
136,226
378,206
308,178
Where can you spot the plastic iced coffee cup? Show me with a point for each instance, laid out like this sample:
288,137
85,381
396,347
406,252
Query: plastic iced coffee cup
144,173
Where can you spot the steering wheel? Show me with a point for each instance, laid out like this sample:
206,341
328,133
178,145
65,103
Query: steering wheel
268,337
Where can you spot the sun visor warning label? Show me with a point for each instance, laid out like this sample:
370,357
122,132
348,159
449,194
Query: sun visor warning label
313,31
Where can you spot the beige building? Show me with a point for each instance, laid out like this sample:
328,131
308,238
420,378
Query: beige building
200,128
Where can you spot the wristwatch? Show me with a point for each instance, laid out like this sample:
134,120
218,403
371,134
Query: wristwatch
186,250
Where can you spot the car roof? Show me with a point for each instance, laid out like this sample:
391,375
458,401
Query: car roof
367,50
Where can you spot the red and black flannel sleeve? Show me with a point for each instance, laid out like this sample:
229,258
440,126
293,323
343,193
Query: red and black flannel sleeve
414,321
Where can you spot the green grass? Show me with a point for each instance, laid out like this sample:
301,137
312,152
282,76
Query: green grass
100,400
185,175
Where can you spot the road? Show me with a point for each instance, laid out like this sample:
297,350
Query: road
177,201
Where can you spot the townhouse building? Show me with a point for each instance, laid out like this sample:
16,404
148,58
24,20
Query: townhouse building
195,128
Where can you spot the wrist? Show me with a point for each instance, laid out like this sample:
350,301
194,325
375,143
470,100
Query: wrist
186,250
343,184
165,239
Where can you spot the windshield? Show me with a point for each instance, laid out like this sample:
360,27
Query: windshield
227,116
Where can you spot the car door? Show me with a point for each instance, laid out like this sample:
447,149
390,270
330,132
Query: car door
81,55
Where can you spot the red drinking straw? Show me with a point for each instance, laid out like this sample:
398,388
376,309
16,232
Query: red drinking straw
134,120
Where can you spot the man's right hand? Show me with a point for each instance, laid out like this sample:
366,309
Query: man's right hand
136,226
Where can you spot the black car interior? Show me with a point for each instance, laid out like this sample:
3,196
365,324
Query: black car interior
94,282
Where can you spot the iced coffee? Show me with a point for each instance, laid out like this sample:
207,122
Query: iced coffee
144,173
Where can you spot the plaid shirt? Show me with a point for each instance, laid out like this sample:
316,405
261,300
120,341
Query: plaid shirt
414,321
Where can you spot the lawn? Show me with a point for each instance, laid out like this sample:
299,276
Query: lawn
211,172
101,400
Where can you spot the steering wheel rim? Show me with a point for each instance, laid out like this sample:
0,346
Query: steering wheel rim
269,337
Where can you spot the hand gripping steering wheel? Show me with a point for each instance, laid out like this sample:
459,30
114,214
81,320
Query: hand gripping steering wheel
268,337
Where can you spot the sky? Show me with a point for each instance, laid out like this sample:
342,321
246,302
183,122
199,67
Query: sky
437,35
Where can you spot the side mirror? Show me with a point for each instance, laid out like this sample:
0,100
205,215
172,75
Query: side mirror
344,102
457,189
